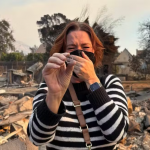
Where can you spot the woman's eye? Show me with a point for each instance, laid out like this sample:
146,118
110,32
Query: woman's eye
86,47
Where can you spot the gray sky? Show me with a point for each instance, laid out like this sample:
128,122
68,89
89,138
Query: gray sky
23,14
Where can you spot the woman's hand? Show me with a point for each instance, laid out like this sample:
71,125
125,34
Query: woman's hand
84,69
57,76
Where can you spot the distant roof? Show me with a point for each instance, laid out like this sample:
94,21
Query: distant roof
41,49
124,57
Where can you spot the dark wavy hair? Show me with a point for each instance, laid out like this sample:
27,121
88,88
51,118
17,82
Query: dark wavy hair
60,43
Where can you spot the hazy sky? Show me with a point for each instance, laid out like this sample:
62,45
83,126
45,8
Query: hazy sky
23,14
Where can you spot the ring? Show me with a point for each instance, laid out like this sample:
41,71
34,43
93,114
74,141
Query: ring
69,58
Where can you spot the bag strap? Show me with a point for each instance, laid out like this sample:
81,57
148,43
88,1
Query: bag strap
83,125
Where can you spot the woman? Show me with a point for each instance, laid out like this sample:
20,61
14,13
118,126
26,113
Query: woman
103,101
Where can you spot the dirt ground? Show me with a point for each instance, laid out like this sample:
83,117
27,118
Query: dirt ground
15,90
27,145
11,145
128,86
136,86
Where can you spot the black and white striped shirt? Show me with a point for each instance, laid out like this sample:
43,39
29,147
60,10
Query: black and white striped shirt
105,111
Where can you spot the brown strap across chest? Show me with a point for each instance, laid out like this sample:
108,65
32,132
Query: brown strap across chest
83,125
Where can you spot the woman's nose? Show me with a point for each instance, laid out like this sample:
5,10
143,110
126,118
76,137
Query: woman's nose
79,47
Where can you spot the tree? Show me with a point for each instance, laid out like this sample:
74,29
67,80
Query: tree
37,57
12,56
144,35
135,64
6,37
33,49
51,26
142,61
140,64
145,62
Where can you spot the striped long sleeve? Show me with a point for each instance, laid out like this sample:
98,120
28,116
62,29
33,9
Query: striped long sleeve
42,124
110,107
105,111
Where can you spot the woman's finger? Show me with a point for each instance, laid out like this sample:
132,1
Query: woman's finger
56,60
78,58
76,68
66,54
61,56
78,64
70,66
51,66
77,72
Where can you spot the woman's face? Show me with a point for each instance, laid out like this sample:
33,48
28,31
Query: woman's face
79,40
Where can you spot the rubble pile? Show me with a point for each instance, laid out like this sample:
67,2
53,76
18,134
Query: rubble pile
14,77
15,113
138,137
5,99
14,117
